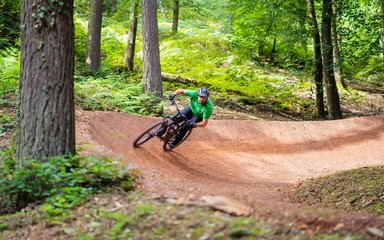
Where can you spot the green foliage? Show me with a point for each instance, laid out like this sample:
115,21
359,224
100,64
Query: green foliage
45,16
61,182
373,72
123,12
202,54
7,160
9,72
115,92
257,25
80,45
81,7
162,220
9,23
113,46
360,26
356,190
6,122
194,53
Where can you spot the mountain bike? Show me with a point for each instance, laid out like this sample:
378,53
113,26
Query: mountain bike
169,126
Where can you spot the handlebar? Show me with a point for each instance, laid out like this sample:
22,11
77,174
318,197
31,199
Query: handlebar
173,102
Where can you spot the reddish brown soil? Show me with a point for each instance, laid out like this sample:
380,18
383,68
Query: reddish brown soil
256,162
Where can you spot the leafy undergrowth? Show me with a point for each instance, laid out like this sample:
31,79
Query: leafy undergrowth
58,184
354,190
134,215
115,92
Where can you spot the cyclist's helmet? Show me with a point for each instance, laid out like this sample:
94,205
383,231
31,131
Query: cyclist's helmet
203,92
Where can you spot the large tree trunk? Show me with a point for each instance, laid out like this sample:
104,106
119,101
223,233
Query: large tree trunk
318,60
336,49
333,100
130,52
175,23
46,122
94,35
151,53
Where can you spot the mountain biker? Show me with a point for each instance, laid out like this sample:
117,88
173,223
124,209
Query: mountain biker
198,112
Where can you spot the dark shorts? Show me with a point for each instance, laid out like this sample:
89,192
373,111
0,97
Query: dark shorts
189,114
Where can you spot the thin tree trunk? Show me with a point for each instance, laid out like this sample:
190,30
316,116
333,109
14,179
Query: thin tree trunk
94,35
151,53
318,60
46,119
336,49
273,52
382,28
130,52
333,100
175,23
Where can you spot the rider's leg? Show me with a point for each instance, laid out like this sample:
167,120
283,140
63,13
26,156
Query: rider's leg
184,129
177,118
187,112
161,132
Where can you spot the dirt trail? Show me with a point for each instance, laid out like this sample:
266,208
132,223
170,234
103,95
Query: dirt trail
256,162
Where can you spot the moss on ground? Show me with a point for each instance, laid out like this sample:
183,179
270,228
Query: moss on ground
354,190
121,215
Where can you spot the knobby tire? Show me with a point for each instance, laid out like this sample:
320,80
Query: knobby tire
172,137
147,134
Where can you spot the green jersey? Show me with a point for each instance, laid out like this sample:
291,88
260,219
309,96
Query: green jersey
203,111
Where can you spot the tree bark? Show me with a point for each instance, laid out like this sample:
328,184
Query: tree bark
175,23
94,35
333,100
151,53
318,59
273,52
167,77
46,120
336,49
130,52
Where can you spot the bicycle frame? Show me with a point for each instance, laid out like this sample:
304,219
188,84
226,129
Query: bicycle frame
168,121
169,127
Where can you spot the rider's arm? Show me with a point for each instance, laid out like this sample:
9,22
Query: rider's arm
179,91
203,123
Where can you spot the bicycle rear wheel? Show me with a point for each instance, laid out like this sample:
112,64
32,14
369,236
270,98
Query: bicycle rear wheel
171,136
147,134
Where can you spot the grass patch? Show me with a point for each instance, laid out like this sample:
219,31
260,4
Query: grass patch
354,190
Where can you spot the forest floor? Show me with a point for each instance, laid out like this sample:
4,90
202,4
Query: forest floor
245,163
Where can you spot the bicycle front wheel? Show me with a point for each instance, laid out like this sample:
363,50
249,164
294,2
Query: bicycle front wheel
147,134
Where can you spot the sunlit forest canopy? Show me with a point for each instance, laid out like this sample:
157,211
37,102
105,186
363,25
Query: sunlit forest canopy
227,45
250,28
